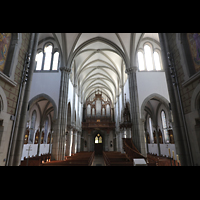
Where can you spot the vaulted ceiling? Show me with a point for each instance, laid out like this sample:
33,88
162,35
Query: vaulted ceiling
99,60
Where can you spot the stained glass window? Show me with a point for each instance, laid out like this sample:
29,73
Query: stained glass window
96,140
100,139
5,39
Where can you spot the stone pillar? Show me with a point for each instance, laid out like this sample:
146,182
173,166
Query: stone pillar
181,143
78,141
18,144
74,145
116,141
39,141
121,142
73,106
119,145
58,145
138,139
70,142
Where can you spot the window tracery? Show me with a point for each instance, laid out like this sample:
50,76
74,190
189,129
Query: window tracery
98,139
47,59
149,59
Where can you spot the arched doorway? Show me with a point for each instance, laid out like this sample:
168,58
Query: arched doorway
98,144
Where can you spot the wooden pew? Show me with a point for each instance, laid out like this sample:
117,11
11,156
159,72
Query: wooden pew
116,159
36,160
79,159
161,160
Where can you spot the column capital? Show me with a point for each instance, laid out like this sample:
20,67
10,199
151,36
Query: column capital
130,70
68,69
74,85
64,68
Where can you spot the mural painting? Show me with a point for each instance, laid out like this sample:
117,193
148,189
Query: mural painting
5,39
194,44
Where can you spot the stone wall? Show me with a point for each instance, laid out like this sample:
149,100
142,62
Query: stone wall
189,92
10,91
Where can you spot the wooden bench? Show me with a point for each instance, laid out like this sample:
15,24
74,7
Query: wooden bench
116,159
36,160
161,160
79,159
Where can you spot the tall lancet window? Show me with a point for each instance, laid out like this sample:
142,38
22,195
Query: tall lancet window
148,57
48,54
45,130
32,129
55,61
38,60
157,61
141,61
164,126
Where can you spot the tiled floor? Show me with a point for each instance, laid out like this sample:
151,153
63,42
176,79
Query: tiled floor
98,161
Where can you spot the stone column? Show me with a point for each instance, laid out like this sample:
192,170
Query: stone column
116,141
58,145
70,142
78,141
73,106
137,136
181,143
39,141
119,145
121,142
22,123
74,145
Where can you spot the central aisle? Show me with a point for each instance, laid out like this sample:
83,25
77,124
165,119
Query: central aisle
98,161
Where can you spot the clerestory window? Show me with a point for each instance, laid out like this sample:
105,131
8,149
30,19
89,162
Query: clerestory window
149,60
47,59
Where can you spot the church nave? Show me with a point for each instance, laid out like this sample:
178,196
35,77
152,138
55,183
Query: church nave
101,96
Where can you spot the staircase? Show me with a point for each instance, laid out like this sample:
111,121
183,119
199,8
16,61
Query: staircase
132,152
114,158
